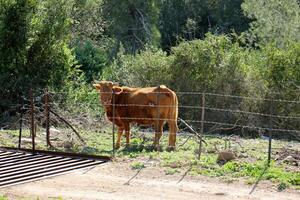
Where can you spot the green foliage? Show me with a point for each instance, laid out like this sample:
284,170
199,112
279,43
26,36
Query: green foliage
274,20
34,50
205,65
88,23
92,59
15,22
208,62
282,186
148,68
194,18
283,67
137,165
3,197
171,171
133,23
78,98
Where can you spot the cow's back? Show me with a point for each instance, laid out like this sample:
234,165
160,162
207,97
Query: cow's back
145,105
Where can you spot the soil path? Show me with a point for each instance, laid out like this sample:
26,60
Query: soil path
118,181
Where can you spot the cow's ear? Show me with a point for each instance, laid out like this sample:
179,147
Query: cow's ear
97,86
117,90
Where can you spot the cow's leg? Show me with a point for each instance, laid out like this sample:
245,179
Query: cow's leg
127,134
172,134
158,133
120,133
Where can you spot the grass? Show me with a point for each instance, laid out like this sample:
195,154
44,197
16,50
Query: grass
171,171
3,197
251,161
137,165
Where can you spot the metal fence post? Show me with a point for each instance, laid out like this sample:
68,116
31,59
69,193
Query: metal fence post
47,116
270,148
202,125
157,131
113,125
270,135
21,121
32,124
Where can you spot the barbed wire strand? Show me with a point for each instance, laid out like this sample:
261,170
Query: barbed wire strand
208,94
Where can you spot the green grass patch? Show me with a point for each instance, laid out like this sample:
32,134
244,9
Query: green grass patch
137,165
250,163
171,171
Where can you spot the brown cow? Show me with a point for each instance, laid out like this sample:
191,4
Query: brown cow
151,106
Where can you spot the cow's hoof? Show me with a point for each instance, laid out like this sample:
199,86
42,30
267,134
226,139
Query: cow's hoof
128,147
170,148
117,146
157,148
149,148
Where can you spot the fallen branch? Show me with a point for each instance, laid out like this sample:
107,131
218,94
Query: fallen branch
191,129
222,128
66,122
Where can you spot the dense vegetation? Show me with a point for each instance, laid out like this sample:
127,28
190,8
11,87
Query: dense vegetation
238,47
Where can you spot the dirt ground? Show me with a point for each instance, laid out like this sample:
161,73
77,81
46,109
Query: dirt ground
115,180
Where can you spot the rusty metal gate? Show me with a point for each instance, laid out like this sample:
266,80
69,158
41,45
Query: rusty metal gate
20,166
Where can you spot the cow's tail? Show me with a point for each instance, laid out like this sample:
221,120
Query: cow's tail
175,114
172,121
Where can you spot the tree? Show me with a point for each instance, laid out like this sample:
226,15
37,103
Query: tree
15,24
88,22
192,19
91,46
274,20
34,52
132,23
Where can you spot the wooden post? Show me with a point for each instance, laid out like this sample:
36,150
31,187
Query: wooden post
32,124
202,125
113,125
21,121
47,116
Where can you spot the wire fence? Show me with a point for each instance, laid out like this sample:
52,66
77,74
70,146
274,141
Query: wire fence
36,104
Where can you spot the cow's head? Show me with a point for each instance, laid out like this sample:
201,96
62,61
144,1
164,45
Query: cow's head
106,90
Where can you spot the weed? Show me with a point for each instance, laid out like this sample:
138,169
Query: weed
137,165
250,181
227,179
282,186
171,171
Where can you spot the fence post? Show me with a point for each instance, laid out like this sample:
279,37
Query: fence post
47,116
21,121
157,131
32,125
270,148
202,125
270,136
113,125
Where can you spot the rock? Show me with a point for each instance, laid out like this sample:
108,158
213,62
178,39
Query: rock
291,161
225,156
243,155
54,131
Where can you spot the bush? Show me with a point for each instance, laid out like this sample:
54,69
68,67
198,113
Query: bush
218,64
148,68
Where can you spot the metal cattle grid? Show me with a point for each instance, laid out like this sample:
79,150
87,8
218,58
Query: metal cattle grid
20,166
